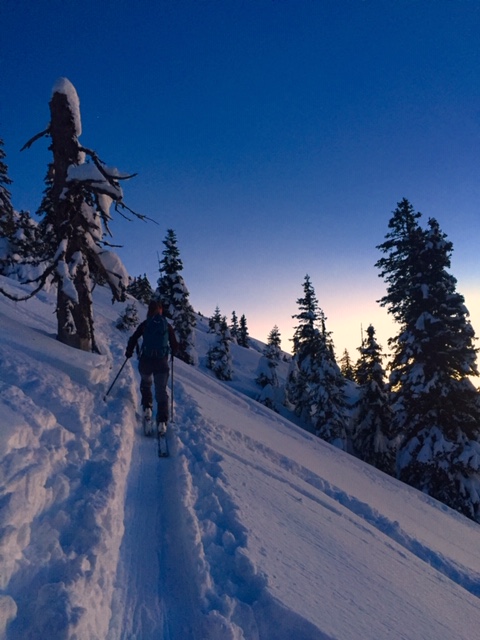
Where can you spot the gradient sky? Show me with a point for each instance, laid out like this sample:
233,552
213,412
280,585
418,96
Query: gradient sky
274,136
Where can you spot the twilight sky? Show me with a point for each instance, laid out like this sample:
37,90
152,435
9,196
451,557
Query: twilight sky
274,136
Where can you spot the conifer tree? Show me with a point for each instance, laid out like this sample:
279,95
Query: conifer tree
315,385
328,408
373,436
346,366
267,376
242,336
268,363
304,336
128,319
435,404
75,215
234,328
215,321
141,289
17,232
173,293
7,222
307,320
219,358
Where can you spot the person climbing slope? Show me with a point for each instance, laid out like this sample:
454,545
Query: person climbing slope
158,342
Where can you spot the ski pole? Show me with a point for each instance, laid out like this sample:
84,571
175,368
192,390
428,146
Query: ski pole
171,395
116,378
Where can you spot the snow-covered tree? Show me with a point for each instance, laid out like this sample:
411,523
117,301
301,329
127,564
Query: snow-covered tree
234,327
373,436
435,404
173,293
141,289
267,376
346,366
328,408
307,320
75,215
315,385
17,231
268,363
215,321
7,222
128,319
242,336
219,358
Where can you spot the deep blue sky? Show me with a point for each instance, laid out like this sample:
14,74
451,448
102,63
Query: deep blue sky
274,136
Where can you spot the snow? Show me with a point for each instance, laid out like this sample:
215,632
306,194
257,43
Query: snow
63,85
253,528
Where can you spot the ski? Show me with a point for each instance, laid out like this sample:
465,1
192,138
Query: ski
163,450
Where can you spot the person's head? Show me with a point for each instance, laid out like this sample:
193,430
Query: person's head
154,307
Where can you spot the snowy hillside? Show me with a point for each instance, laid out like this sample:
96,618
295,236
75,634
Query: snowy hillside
252,529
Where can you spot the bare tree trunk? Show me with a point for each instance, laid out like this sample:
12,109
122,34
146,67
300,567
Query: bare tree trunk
73,316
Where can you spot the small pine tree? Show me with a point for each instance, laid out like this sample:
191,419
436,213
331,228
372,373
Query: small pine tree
7,221
234,328
373,437
18,233
346,366
328,408
315,385
267,376
215,321
141,289
128,319
219,359
268,363
242,337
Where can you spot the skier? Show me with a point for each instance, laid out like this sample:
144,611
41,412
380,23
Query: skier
158,341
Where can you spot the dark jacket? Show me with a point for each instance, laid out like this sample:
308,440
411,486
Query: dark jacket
132,342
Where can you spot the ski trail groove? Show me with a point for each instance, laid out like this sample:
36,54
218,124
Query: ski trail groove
235,594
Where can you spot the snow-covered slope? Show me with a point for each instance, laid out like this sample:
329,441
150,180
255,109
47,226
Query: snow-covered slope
252,529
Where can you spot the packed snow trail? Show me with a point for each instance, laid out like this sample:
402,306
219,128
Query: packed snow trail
154,596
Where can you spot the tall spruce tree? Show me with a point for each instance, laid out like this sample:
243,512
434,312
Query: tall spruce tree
436,406
173,293
373,438
75,221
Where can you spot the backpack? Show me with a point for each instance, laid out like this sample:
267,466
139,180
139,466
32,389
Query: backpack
156,343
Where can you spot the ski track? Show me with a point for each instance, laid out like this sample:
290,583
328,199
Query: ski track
155,596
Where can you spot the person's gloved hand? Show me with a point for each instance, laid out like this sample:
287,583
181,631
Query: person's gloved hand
128,353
